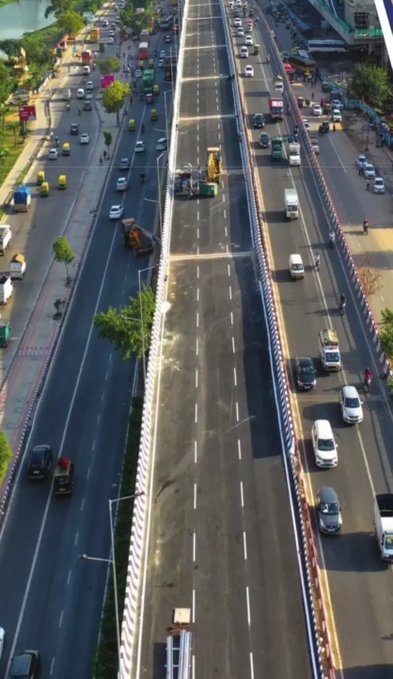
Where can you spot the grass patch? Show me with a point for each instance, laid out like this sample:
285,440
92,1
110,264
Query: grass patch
12,141
106,661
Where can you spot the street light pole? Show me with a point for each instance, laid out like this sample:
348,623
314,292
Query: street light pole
159,190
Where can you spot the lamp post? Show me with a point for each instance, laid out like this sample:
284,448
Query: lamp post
112,562
159,189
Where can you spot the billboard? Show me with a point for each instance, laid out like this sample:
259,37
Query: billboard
107,80
27,113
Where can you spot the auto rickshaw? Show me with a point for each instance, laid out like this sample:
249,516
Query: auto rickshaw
300,102
66,149
63,479
132,125
256,49
62,181
324,127
44,190
149,98
154,114
141,65
151,63
40,177
5,334
156,89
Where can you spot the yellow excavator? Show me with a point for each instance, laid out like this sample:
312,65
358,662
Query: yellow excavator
214,164
138,239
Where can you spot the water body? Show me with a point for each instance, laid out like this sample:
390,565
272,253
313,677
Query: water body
23,16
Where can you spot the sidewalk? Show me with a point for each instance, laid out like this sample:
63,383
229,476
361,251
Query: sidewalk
27,359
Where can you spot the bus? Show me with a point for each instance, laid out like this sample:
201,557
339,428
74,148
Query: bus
148,81
327,46
302,61
143,51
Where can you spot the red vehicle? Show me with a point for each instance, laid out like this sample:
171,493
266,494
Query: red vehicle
143,51
87,57
276,105
290,71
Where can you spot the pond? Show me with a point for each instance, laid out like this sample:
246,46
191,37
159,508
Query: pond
23,16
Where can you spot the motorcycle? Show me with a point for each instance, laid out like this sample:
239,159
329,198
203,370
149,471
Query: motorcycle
365,227
342,308
332,239
143,177
317,264
367,384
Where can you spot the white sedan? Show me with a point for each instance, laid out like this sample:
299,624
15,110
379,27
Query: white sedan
336,116
369,171
378,185
53,154
122,184
316,110
249,40
84,138
139,147
116,212
249,71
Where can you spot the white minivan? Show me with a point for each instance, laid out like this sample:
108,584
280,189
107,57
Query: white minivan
324,444
296,266
244,52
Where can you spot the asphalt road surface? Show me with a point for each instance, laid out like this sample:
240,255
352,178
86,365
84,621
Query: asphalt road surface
221,539
50,598
359,586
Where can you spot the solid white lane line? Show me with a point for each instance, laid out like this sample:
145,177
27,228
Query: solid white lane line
241,495
195,452
197,319
193,605
196,414
193,667
231,316
251,665
239,449
245,545
230,292
196,347
237,411
248,607
194,547
233,345
195,496
235,377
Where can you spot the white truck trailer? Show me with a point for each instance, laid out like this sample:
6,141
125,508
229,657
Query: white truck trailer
179,645
294,154
5,237
291,203
383,521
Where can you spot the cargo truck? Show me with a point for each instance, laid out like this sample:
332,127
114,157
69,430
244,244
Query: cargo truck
6,288
5,237
179,645
294,154
276,106
22,199
291,204
383,521
329,350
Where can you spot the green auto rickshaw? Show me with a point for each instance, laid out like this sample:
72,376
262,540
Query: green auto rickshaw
132,125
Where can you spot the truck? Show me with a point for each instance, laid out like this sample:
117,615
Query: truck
383,522
276,106
277,151
143,51
17,267
179,645
291,203
139,240
22,198
294,154
278,84
213,164
192,183
94,34
148,81
6,288
329,350
5,237
87,57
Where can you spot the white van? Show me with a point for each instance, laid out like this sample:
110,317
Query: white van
66,94
86,69
279,85
244,52
296,266
291,203
324,444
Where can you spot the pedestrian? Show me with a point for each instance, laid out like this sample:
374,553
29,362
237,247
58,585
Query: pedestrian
334,127
105,155
101,161
312,96
368,185
360,170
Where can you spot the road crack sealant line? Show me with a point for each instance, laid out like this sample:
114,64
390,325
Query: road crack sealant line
319,640
142,503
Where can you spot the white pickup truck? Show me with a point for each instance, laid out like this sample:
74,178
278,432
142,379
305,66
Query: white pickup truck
6,288
294,154
5,237
329,350
383,521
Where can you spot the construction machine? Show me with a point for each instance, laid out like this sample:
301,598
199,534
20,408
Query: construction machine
214,164
138,239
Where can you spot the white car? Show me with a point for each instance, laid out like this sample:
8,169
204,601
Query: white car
122,184
2,640
80,93
249,40
110,40
305,122
53,154
84,138
324,444
89,87
316,110
351,405
249,71
239,33
161,63
378,185
161,144
139,147
336,116
369,171
237,23
116,212
336,103
361,161
162,54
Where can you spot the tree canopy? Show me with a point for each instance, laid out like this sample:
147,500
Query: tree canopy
5,455
110,65
371,83
63,252
114,98
70,22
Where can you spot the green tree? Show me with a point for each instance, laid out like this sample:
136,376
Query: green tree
386,332
6,82
4,153
107,139
123,327
109,66
63,253
5,455
37,50
14,125
10,47
371,83
70,22
58,7
114,98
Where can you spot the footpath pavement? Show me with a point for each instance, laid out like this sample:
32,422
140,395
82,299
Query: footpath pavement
29,357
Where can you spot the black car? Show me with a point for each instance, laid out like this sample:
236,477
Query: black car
26,665
74,128
40,462
264,141
258,121
305,373
328,510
